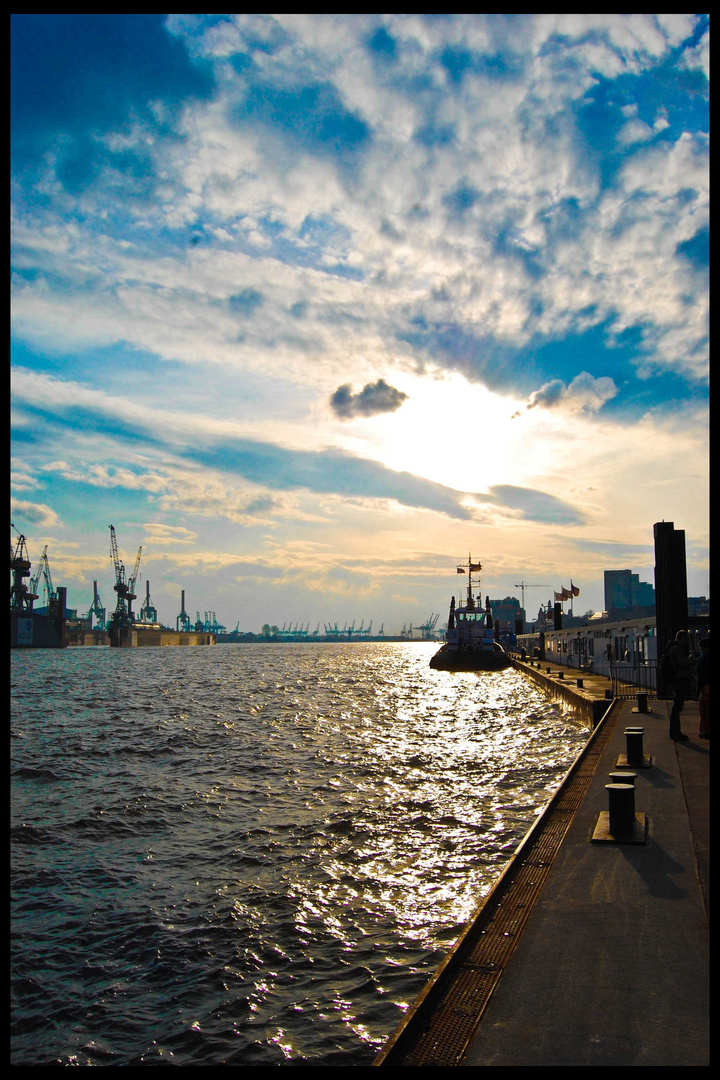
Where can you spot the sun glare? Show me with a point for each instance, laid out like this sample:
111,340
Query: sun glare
449,431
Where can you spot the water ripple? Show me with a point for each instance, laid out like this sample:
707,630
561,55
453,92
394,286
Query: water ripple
255,855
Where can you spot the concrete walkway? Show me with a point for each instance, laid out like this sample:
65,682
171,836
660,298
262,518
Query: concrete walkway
612,967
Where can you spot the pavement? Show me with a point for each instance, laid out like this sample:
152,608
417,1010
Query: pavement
612,967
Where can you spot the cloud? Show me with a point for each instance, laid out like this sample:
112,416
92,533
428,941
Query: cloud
36,513
533,505
329,472
158,532
584,394
373,399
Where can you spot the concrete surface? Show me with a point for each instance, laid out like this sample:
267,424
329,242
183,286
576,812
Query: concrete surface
613,965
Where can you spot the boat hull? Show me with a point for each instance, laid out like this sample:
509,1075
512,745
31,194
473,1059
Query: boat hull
469,660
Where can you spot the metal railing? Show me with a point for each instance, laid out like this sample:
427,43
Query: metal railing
628,679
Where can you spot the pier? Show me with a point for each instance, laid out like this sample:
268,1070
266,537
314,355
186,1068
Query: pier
587,953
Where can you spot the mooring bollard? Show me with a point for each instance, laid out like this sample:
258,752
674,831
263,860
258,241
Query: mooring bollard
579,683
621,807
623,778
642,701
608,694
634,743
561,675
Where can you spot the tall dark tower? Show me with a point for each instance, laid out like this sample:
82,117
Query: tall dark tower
671,609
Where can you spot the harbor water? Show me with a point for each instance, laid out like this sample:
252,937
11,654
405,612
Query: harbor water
255,854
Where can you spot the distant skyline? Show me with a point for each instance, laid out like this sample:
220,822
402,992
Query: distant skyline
313,306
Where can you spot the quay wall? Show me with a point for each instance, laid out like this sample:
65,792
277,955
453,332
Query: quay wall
588,707
141,638
171,637
29,630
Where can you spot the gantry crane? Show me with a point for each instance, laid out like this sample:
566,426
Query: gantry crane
96,608
428,627
183,620
148,612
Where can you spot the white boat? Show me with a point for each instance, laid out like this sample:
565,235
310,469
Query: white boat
470,643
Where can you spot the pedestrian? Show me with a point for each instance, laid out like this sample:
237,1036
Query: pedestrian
703,682
681,663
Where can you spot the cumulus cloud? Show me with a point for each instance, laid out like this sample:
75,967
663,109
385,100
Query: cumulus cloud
37,514
584,394
374,398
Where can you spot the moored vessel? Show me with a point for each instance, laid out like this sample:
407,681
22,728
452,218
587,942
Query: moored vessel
470,643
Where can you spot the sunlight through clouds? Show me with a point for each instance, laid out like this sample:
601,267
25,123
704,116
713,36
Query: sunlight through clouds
309,277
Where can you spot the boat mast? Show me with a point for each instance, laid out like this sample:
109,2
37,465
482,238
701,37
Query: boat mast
473,568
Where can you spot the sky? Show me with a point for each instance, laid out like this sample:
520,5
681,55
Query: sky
312,307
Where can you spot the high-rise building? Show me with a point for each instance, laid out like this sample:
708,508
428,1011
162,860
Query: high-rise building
624,590
618,590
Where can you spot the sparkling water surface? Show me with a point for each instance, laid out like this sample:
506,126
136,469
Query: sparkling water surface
255,854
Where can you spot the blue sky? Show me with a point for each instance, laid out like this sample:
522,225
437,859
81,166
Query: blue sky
311,306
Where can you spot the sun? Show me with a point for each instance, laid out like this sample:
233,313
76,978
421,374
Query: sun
448,430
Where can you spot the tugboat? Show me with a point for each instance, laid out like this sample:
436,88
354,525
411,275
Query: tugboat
470,637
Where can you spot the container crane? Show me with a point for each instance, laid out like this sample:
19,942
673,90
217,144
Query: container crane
148,612
96,608
428,627
182,623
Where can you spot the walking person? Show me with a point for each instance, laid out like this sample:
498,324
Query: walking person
681,662
703,682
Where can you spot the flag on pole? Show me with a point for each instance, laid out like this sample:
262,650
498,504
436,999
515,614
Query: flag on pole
475,566
566,594
574,589
559,597
461,569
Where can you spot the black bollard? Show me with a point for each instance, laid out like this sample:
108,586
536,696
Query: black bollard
621,807
623,777
634,743
642,701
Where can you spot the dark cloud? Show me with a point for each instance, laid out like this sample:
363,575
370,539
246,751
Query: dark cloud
374,398
534,505
461,199
329,472
245,303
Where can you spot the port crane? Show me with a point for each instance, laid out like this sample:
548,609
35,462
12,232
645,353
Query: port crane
523,586
182,623
44,572
427,628
125,590
35,579
96,608
21,598
148,612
